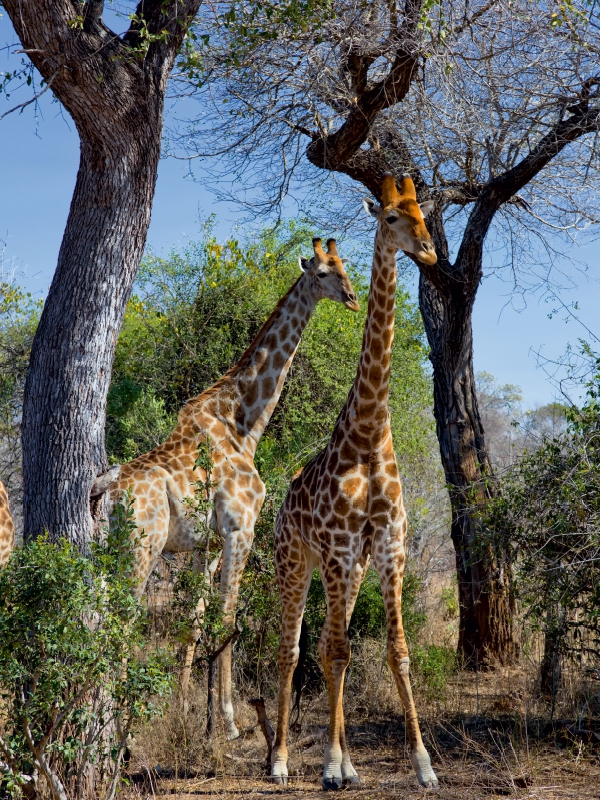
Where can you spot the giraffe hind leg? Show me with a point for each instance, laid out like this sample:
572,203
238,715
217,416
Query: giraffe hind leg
237,545
357,573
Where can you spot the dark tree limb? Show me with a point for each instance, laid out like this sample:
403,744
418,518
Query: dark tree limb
501,189
333,151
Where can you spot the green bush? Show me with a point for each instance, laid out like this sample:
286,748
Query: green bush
431,667
194,313
77,673
547,516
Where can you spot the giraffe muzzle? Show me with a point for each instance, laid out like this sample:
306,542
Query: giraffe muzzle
427,253
351,302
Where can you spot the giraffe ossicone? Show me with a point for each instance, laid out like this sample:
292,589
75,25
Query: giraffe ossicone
233,413
345,507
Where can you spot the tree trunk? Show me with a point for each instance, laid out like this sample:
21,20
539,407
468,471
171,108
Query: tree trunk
486,603
552,661
113,87
72,355
447,293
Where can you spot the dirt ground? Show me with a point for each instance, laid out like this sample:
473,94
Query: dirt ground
548,773
485,742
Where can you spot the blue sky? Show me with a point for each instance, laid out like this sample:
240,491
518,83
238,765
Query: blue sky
38,164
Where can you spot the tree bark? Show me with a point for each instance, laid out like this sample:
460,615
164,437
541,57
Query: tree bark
485,598
551,672
114,89
71,358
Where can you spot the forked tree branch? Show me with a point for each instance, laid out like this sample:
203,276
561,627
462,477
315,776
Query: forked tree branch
333,150
505,186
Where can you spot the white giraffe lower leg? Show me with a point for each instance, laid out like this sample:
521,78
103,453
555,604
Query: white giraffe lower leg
225,702
419,756
332,770
333,776
349,774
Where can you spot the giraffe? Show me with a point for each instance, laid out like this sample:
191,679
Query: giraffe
7,528
234,413
346,506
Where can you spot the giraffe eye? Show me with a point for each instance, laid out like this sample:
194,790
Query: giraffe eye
321,274
391,219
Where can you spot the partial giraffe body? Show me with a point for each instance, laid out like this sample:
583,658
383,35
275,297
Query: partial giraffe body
346,507
7,528
233,413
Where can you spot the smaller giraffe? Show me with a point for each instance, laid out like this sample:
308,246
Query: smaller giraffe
346,505
7,528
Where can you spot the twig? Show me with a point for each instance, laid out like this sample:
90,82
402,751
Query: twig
31,100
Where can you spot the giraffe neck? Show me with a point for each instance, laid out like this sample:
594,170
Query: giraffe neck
245,398
367,406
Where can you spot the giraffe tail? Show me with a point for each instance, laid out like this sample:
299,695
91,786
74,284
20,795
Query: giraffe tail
298,677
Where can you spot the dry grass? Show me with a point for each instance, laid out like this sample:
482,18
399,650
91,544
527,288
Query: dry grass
487,737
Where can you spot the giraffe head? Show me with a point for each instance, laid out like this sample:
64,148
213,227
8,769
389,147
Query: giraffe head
328,276
402,219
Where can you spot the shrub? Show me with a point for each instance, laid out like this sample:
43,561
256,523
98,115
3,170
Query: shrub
548,516
77,674
432,665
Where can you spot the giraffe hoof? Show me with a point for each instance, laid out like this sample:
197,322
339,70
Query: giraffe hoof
280,780
351,781
232,734
332,784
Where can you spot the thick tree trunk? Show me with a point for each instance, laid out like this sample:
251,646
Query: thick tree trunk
486,604
72,355
113,86
447,294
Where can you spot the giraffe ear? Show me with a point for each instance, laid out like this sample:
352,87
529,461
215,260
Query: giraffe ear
304,264
345,260
427,207
371,207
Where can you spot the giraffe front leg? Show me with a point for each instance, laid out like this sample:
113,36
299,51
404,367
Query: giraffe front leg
357,573
334,650
389,559
293,570
236,549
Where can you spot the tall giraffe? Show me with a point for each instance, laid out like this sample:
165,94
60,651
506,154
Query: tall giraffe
7,528
234,413
346,505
